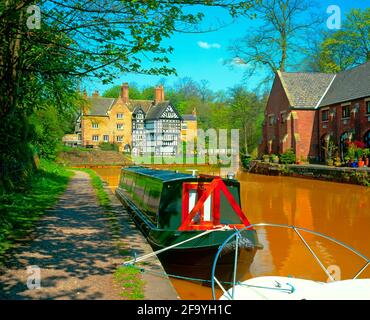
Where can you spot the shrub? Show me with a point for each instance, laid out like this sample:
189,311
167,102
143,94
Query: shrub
288,157
106,146
245,160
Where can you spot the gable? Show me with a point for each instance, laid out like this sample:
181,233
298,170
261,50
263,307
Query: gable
169,113
304,89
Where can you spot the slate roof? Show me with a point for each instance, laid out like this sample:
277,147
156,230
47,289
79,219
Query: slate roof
189,117
144,104
157,110
98,106
349,85
304,89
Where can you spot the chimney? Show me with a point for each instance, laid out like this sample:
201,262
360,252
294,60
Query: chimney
95,94
194,112
124,92
159,94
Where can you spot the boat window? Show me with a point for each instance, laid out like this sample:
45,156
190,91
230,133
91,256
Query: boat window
228,215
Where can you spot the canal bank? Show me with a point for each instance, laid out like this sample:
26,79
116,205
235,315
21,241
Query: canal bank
157,285
359,176
74,250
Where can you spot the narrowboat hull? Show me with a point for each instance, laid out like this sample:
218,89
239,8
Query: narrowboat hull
194,259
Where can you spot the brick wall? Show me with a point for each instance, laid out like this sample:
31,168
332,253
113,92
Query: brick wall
357,123
273,134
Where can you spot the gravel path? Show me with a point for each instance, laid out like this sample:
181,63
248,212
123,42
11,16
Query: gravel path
73,248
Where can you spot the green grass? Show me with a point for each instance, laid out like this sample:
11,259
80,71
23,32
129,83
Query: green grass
129,279
20,210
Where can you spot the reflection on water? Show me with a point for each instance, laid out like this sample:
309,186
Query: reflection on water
338,210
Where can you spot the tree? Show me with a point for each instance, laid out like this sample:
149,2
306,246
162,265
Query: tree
348,47
274,44
78,39
246,114
115,92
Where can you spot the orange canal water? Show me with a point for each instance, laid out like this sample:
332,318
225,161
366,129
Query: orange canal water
341,211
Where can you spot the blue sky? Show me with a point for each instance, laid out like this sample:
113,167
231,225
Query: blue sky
201,56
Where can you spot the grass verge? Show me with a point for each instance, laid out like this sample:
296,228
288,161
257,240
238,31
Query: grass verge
129,278
20,210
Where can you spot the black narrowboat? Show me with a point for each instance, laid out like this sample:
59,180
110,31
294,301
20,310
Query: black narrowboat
170,207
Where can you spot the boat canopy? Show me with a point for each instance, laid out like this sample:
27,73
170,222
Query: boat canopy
167,198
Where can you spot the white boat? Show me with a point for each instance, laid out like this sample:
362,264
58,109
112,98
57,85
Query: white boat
290,288
286,288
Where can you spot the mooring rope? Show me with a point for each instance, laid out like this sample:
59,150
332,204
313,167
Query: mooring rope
165,274
149,255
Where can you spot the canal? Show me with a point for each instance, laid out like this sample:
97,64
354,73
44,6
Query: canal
338,210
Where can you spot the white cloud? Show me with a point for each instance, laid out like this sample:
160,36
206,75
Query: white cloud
238,62
206,45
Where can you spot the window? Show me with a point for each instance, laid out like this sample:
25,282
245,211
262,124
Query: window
95,125
325,115
271,120
119,126
283,117
106,138
119,138
367,107
345,112
119,115
95,138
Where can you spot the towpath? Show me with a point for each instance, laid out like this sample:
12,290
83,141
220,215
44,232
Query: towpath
76,252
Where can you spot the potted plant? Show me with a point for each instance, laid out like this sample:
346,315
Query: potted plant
366,155
351,152
330,149
360,154
330,162
266,158
274,158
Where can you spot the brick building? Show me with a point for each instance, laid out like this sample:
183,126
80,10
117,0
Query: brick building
134,125
306,110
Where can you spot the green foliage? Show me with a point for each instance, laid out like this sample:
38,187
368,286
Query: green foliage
49,126
245,160
348,46
130,279
106,146
115,92
288,157
42,68
20,210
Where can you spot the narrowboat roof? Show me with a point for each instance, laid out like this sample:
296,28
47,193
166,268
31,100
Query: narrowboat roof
163,175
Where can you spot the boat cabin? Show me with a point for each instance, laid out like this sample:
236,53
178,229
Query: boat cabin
178,201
